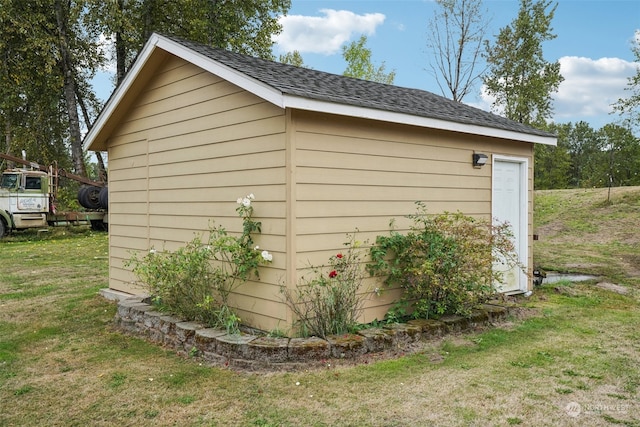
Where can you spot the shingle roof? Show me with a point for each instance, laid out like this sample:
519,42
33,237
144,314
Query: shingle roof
323,86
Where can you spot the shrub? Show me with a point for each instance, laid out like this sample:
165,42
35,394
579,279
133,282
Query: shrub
445,262
195,281
329,303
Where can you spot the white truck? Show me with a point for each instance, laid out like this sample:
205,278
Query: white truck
28,196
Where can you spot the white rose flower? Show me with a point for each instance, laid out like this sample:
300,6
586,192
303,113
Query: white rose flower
267,256
246,202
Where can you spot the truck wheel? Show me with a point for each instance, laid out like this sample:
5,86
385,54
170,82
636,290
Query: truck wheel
3,229
99,225
104,197
89,197
81,195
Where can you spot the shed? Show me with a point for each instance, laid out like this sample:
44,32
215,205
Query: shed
191,128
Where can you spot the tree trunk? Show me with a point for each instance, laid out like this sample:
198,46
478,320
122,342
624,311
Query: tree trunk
121,50
102,171
69,89
8,137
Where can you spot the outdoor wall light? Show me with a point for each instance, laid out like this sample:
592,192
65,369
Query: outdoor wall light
479,160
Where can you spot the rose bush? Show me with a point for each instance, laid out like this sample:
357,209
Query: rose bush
195,281
328,303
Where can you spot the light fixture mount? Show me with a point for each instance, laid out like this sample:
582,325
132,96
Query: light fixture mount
479,160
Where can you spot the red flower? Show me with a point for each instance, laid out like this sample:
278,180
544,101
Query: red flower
339,256
333,274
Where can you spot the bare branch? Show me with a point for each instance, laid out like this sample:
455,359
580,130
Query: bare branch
456,35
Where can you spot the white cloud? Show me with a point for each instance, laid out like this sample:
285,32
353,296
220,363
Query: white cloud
589,89
324,34
590,86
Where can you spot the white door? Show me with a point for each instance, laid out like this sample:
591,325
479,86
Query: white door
510,204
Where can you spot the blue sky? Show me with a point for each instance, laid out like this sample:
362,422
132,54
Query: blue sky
593,46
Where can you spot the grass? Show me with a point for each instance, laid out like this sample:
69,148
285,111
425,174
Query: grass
589,231
61,363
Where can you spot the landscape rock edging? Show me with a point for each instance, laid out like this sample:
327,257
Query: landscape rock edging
135,316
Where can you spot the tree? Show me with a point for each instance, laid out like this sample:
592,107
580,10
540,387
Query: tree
63,13
31,109
359,64
584,149
292,58
621,156
553,163
49,51
519,77
587,158
630,106
456,35
242,26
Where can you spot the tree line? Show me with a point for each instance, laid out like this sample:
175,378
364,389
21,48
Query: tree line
586,157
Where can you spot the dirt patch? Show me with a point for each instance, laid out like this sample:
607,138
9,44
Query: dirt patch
613,287
631,263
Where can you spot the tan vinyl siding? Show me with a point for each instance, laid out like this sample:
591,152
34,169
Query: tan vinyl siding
371,172
359,174
188,147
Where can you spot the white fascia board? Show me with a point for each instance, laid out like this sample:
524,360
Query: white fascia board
410,119
119,92
229,74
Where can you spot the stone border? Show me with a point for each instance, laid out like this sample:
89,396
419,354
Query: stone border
135,316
